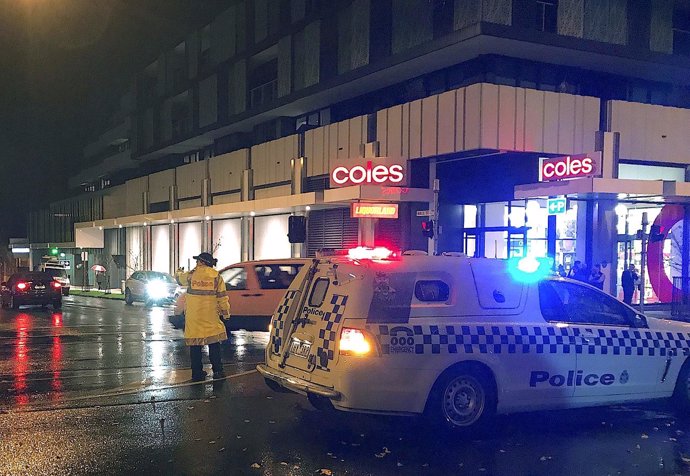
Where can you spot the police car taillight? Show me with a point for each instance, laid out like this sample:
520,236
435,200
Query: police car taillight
354,342
363,252
22,286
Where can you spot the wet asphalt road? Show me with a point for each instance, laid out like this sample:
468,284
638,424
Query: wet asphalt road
101,388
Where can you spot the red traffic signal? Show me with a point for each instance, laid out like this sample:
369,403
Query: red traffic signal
428,228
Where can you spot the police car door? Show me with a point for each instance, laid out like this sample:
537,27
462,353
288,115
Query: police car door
614,358
310,343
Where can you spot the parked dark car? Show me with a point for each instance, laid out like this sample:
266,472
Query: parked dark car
31,288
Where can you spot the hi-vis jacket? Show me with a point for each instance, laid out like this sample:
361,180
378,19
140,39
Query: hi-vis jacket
206,300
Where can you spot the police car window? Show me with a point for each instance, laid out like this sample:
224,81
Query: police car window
575,304
318,292
431,291
235,278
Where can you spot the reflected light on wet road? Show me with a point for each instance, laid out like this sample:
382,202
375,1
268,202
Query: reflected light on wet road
21,358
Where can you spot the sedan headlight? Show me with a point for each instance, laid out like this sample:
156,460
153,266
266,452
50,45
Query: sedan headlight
156,290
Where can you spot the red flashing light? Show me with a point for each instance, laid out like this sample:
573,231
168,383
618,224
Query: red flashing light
380,253
57,285
21,286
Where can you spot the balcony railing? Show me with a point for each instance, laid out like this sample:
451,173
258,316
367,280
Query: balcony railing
263,94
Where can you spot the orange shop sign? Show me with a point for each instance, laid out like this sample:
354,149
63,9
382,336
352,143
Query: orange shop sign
374,210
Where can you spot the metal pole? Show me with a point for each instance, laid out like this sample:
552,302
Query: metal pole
643,259
437,187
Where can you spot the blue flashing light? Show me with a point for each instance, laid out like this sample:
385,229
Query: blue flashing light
529,269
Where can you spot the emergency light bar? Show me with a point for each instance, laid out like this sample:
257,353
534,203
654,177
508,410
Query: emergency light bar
363,252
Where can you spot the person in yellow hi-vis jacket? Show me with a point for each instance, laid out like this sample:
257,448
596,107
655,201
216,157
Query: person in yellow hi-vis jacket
206,304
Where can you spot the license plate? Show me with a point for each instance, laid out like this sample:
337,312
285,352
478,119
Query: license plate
39,286
300,348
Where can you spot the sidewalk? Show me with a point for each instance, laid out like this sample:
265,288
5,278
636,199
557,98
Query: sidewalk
103,294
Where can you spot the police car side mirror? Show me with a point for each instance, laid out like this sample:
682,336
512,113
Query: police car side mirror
640,320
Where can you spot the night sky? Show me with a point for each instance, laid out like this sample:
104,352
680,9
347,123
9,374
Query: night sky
64,65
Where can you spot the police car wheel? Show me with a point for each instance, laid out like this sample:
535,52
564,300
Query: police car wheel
464,398
681,394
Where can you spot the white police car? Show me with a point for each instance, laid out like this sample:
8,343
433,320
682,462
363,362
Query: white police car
461,339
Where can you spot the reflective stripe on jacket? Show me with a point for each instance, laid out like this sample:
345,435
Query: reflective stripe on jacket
206,302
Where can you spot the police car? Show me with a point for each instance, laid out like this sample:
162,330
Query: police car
461,339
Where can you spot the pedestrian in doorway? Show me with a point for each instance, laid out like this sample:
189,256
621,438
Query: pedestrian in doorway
206,301
629,280
596,277
574,269
561,271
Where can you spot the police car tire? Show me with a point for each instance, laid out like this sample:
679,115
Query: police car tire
466,384
681,393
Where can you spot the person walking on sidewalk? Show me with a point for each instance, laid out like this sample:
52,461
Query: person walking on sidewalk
206,301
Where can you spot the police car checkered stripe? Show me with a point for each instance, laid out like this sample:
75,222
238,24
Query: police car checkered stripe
278,321
528,339
327,334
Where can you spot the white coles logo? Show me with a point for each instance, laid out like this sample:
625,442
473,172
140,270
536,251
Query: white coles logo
386,173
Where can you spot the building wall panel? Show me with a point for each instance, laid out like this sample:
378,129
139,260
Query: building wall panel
395,132
135,195
115,203
534,120
591,123
225,170
357,137
259,164
566,123
489,116
332,143
227,198
406,130
507,115
550,124
384,131
651,133
343,129
429,126
460,119
272,192
415,129
473,116
159,185
446,122
190,178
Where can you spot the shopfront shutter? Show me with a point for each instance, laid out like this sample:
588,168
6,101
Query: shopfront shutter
331,229
389,233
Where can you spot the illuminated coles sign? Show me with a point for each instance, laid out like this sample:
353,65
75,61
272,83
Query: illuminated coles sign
374,210
567,167
378,171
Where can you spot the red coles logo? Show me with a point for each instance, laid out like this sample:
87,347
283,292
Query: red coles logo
391,174
569,166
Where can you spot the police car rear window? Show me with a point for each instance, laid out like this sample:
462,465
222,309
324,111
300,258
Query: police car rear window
431,291
318,292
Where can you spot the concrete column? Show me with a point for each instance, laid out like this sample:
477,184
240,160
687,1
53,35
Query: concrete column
298,169
146,247
367,228
605,243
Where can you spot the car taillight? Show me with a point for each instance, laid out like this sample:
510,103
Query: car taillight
354,342
21,286
57,285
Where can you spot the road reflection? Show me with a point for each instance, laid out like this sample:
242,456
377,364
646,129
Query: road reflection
21,359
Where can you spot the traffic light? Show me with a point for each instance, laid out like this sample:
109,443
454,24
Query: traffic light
657,233
297,229
54,251
428,228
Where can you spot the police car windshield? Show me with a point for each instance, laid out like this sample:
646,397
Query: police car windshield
155,276
56,272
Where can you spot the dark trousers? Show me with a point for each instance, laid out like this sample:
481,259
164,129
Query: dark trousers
213,355
628,295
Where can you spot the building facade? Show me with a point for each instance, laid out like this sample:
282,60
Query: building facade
240,125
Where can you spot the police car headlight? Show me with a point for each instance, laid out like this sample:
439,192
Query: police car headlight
354,342
156,290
